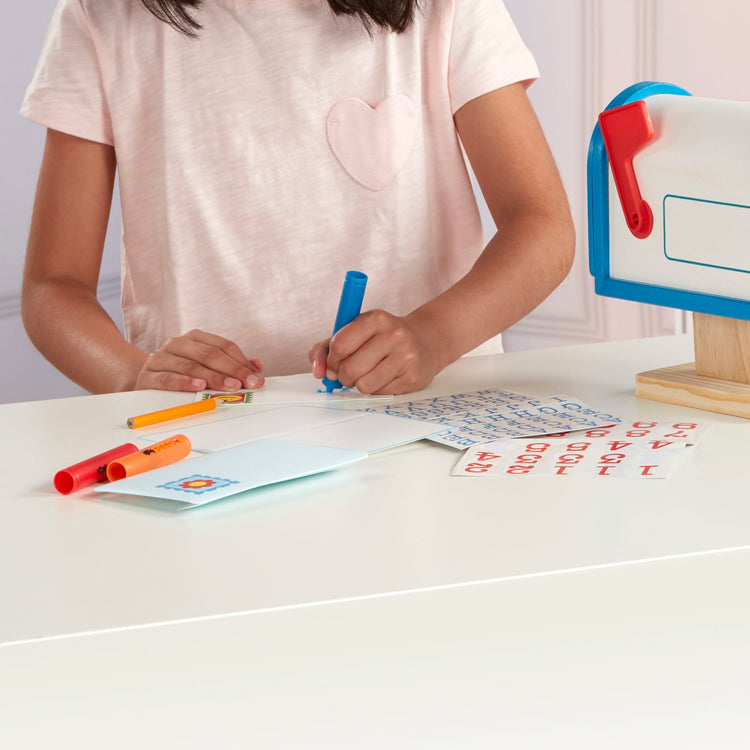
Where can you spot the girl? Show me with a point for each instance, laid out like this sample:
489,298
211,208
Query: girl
265,147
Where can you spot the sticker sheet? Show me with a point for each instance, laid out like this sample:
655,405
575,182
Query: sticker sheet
564,457
643,449
494,414
688,432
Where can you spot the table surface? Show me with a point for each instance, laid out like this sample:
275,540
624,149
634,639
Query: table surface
652,656
386,604
396,522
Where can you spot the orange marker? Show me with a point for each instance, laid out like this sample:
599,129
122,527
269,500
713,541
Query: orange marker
176,412
159,454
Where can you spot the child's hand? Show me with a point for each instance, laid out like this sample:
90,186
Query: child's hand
378,353
199,361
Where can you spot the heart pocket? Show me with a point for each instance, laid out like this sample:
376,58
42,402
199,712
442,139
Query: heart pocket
372,144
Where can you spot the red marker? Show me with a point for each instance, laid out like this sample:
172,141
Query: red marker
90,471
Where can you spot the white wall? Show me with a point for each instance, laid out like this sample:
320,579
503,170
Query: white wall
25,374
588,51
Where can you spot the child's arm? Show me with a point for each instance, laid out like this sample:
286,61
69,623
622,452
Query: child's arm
60,310
526,259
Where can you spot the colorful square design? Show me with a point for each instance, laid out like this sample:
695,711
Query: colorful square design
197,484
229,399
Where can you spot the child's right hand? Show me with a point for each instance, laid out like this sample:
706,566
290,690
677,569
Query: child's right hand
199,361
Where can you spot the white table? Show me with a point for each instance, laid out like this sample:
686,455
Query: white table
651,656
372,548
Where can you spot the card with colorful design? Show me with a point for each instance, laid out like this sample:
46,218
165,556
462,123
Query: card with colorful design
213,476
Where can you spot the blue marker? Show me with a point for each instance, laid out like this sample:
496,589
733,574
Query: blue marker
349,307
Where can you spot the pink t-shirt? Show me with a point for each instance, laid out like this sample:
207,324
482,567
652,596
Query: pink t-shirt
283,147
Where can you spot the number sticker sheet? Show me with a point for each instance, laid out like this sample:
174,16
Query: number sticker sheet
493,414
648,450
687,432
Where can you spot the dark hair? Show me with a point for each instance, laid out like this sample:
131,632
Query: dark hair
393,15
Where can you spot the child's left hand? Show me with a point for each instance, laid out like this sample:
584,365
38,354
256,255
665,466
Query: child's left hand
378,353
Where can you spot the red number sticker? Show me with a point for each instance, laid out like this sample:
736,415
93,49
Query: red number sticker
618,445
487,456
656,444
612,458
477,468
597,433
570,458
637,433
681,430
577,446
515,469
528,458
537,447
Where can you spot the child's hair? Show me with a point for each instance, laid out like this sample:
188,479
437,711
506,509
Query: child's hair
394,15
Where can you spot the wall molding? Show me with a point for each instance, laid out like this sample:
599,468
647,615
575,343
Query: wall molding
592,96
590,324
109,288
10,306
646,39
598,318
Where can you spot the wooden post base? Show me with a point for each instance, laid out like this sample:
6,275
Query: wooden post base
682,385
718,380
722,347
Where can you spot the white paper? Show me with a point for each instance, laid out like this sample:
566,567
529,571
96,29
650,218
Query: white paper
337,428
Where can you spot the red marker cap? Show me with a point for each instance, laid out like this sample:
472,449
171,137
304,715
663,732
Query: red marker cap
90,471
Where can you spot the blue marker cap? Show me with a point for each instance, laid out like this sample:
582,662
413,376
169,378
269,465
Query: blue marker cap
349,306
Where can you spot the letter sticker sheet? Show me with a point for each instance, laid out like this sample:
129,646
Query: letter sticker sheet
494,414
649,450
